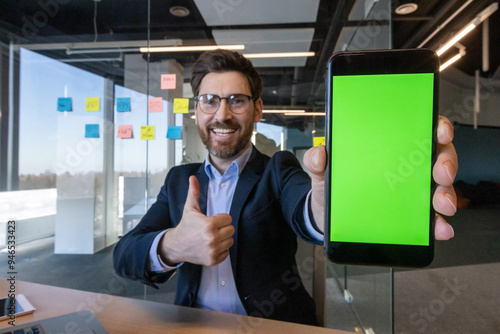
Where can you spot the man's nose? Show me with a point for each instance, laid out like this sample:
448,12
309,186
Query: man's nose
223,113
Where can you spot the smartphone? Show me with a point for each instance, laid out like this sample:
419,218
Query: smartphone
14,307
382,111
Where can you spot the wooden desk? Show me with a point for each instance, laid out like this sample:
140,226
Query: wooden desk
126,315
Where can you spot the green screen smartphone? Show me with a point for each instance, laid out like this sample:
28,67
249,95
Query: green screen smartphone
381,144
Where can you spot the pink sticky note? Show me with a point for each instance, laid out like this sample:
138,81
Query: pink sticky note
168,81
124,131
155,104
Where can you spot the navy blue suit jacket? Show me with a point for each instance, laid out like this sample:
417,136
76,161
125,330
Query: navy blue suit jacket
267,214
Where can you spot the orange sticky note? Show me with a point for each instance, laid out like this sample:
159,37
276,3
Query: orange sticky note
317,141
92,104
168,81
155,104
124,131
147,132
181,106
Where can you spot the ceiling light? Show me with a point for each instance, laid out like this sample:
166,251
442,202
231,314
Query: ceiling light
456,38
450,61
191,48
179,11
282,111
469,27
305,114
453,59
406,8
279,55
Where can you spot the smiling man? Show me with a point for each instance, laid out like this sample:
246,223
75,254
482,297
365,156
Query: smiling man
229,226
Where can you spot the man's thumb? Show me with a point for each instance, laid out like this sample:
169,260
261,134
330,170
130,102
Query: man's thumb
193,196
315,161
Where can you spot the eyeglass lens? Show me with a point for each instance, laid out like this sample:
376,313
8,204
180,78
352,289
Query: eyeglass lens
210,103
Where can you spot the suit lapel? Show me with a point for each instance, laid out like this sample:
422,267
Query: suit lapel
250,175
202,177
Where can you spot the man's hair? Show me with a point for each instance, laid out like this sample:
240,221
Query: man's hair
220,61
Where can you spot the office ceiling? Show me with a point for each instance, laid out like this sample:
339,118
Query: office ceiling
321,26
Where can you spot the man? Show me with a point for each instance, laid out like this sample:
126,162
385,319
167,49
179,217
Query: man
229,225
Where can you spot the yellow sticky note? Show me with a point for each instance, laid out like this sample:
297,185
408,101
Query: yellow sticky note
147,132
317,141
181,106
92,104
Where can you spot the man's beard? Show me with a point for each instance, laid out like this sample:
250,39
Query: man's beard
224,150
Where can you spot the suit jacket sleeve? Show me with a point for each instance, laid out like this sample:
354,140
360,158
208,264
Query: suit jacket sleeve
293,188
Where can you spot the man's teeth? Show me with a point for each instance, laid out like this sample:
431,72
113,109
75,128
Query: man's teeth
223,131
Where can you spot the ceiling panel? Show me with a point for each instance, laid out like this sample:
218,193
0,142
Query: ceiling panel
240,12
362,38
269,40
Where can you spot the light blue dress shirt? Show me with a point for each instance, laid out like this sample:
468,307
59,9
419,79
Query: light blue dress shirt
217,287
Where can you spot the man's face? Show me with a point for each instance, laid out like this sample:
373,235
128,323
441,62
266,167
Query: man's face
224,133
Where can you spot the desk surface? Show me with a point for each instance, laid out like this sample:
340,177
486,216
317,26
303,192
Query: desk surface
126,315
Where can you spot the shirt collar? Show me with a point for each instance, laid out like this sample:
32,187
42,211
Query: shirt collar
235,167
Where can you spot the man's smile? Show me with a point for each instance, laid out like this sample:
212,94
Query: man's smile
223,132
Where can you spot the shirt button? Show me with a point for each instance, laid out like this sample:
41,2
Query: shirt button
223,283
223,185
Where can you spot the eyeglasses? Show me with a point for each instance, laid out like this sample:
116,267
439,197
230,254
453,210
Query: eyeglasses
210,103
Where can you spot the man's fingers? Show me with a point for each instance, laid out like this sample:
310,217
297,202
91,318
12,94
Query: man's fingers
220,220
443,230
193,196
444,131
226,232
446,166
445,200
221,257
227,243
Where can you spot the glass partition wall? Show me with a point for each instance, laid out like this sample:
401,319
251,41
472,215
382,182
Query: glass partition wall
363,296
98,120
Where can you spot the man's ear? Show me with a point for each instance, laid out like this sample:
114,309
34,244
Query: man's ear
196,112
259,107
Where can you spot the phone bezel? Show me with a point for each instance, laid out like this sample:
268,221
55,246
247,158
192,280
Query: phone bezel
367,63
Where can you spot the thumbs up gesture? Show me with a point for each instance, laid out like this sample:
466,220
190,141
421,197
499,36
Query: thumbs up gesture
197,239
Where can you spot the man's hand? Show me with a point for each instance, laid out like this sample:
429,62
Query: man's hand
444,172
315,162
197,239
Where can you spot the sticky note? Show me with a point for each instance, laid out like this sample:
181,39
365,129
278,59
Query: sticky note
124,131
181,106
123,104
155,104
91,130
317,141
147,132
92,104
168,81
174,132
64,104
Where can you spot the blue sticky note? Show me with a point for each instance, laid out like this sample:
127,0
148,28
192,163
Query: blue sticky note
123,104
91,130
64,104
174,132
